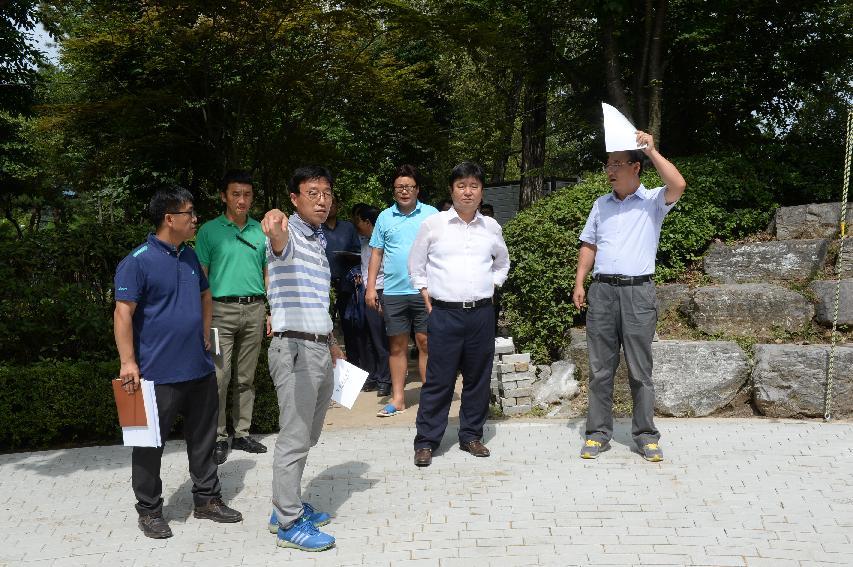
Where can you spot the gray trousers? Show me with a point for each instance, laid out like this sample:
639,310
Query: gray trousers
621,316
241,331
302,374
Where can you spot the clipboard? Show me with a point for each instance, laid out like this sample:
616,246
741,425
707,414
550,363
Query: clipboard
129,406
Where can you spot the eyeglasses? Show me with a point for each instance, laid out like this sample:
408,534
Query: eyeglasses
314,196
190,212
405,188
616,165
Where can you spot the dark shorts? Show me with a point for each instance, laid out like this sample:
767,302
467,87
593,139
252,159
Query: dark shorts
403,313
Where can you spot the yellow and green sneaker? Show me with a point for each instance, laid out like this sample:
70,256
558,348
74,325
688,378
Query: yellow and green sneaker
652,452
591,448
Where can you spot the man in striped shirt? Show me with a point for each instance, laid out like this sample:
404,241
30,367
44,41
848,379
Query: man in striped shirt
302,351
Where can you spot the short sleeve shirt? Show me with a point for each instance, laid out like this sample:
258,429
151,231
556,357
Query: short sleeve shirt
395,233
168,334
626,233
234,257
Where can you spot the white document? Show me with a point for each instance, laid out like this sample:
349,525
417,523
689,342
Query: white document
214,341
348,382
149,435
619,133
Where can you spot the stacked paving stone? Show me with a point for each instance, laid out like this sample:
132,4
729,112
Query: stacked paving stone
512,378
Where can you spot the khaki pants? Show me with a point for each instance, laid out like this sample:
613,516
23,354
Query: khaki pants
241,332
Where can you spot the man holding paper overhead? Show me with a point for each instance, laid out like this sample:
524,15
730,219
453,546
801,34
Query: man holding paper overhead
162,296
302,351
619,244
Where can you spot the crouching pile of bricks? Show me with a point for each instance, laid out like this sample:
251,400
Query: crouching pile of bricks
512,379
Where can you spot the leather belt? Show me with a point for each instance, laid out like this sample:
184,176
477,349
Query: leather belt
239,299
324,339
461,304
618,279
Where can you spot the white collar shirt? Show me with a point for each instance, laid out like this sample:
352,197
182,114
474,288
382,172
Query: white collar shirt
626,232
457,260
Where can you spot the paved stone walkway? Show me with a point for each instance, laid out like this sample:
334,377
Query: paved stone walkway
731,492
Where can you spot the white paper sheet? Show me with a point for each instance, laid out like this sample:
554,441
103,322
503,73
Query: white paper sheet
148,436
619,133
348,382
214,341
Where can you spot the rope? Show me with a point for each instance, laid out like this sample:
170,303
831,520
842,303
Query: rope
830,374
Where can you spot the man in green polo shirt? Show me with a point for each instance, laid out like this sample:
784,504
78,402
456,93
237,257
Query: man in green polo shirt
231,249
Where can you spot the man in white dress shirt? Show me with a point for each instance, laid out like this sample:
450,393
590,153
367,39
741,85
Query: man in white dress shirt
619,243
458,258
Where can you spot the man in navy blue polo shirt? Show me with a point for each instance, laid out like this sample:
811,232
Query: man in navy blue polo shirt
162,319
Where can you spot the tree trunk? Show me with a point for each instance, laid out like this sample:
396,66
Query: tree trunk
533,134
612,69
656,73
507,127
640,94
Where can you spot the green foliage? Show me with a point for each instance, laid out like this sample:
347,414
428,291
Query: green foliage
51,403
725,199
56,300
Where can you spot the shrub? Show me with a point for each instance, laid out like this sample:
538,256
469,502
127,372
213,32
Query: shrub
51,403
56,301
725,199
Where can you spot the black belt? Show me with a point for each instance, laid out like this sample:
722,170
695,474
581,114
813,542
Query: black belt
239,299
461,304
618,279
304,336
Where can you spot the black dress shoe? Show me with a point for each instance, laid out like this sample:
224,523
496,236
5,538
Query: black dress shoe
154,526
423,457
383,390
217,511
248,444
475,447
369,387
220,452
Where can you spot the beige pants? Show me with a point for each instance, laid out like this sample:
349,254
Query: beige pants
241,332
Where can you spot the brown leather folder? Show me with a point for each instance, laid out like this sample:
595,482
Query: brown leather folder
130,407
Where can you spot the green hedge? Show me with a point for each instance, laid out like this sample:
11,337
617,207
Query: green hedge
725,199
56,301
51,404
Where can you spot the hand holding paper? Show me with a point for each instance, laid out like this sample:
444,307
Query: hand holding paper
619,133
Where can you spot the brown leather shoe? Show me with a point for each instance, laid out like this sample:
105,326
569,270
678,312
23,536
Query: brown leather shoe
475,447
423,457
217,511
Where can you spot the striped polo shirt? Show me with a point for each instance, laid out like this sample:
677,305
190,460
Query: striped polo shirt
298,289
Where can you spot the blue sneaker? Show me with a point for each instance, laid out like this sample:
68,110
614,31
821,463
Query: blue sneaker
308,511
305,536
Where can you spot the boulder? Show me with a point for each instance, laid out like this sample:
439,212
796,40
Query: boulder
672,297
790,380
847,260
560,385
697,378
818,220
748,309
762,261
824,291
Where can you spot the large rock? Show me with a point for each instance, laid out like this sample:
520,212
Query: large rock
560,385
672,297
847,260
790,380
824,291
762,261
697,378
748,309
819,220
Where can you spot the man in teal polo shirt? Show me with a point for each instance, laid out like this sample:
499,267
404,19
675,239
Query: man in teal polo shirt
402,304
232,255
